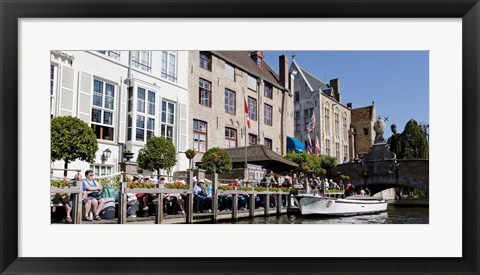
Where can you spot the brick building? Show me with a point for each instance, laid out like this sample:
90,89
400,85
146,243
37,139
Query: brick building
220,82
363,119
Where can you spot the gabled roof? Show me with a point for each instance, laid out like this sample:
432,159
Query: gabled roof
312,82
257,153
243,60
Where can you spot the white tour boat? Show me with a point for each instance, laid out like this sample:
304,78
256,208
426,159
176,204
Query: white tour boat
329,204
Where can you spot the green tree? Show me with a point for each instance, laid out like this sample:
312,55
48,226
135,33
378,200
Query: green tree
158,153
411,143
308,164
219,157
328,163
72,139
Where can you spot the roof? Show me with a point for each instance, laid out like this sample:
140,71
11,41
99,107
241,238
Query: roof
257,153
313,82
243,60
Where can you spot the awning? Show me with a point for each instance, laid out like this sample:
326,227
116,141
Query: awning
294,144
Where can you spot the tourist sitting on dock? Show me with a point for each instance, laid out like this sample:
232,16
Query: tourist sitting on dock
93,198
269,179
350,189
200,194
321,188
332,184
327,185
362,192
174,199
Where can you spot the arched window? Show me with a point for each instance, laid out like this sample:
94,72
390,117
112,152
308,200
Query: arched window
345,131
337,123
327,117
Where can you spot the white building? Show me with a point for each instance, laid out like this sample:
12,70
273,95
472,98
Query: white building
126,97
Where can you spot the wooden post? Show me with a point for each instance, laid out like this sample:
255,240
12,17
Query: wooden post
279,204
289,200
122,202
214,197
77,204
234,206
159,210
267,204
189,202
251,205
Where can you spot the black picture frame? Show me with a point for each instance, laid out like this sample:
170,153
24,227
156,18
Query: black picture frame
11,11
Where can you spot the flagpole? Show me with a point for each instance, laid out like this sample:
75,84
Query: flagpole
245,127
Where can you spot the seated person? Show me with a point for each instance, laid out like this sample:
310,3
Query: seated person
201,196
92,197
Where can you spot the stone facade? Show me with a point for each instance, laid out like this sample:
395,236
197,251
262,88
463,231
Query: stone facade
214,113
313,96
363,120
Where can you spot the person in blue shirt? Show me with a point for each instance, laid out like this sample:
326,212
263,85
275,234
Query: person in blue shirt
93,190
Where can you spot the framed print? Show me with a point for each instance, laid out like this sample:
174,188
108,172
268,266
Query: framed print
448,30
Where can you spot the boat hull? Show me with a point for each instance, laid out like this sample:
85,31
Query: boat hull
312,204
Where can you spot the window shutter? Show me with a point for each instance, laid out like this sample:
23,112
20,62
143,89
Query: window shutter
85,97
183,127
66,93
123,114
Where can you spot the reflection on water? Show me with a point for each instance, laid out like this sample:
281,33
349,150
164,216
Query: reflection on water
393,215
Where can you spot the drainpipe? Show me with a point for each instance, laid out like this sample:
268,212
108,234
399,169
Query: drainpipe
259,105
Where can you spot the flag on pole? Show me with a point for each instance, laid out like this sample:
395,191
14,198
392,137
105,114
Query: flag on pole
246,113
317,146
312,124
309,144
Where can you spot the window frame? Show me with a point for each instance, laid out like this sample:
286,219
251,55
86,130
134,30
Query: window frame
270,141
202,90
267,119
252,136
166,73
103,109
166,124
232,95
115,55
145,113
229,139
252,108
268,90
207,61
138,64
196,144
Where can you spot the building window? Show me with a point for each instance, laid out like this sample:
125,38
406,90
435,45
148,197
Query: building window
268,92
141,60
268,142
252,108
297,121
230,138
345,132
206,60
297,96
169,65
229,72
345,152
205,92
229,101
252,139
307,116
252,83
327,118
53,88
103,109
337,150
199,136
337,123
112,54
267,114
327,146
145,123
101,170
168,120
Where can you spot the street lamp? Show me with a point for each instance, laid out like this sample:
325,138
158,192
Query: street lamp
106,155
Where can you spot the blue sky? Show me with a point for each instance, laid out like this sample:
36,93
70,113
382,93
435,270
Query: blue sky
396,80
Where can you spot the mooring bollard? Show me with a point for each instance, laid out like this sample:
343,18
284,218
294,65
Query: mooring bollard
122,203
251,205
267,204
159,209
279,204
234,206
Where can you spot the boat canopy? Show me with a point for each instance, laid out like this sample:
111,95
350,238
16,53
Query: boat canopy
294,144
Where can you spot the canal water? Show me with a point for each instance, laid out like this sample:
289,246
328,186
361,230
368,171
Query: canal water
393,215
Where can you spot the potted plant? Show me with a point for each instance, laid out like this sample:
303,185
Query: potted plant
190,154
127,154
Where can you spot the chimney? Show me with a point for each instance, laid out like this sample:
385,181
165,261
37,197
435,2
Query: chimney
283,68
349,105
335,84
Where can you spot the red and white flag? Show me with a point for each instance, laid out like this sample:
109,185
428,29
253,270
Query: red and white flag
317,146
246,112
